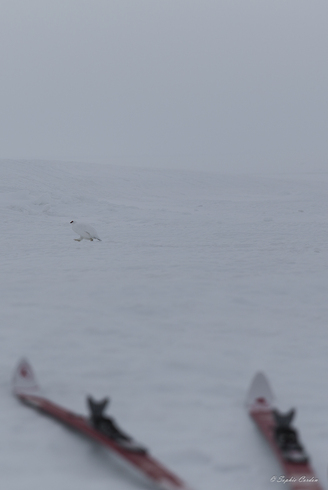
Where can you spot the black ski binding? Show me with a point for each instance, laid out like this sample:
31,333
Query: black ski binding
108,427
287,438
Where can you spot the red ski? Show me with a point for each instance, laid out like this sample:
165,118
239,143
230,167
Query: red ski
281,436
125,449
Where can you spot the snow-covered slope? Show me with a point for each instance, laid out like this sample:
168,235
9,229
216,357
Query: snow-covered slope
199,281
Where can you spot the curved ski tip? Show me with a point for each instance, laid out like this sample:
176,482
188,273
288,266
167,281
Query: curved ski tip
259,388
24,381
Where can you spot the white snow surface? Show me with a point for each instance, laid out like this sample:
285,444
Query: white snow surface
200,281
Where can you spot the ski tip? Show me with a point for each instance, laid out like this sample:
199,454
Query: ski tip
24,381
260,390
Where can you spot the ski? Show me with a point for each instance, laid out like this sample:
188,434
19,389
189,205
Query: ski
98,427
281,435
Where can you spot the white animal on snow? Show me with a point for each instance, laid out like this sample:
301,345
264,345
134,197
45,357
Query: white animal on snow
85,231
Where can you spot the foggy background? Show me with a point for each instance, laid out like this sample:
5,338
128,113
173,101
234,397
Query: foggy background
233,85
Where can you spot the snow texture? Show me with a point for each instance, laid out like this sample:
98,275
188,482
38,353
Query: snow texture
200,281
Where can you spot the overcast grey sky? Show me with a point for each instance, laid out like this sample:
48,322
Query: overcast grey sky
219,85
